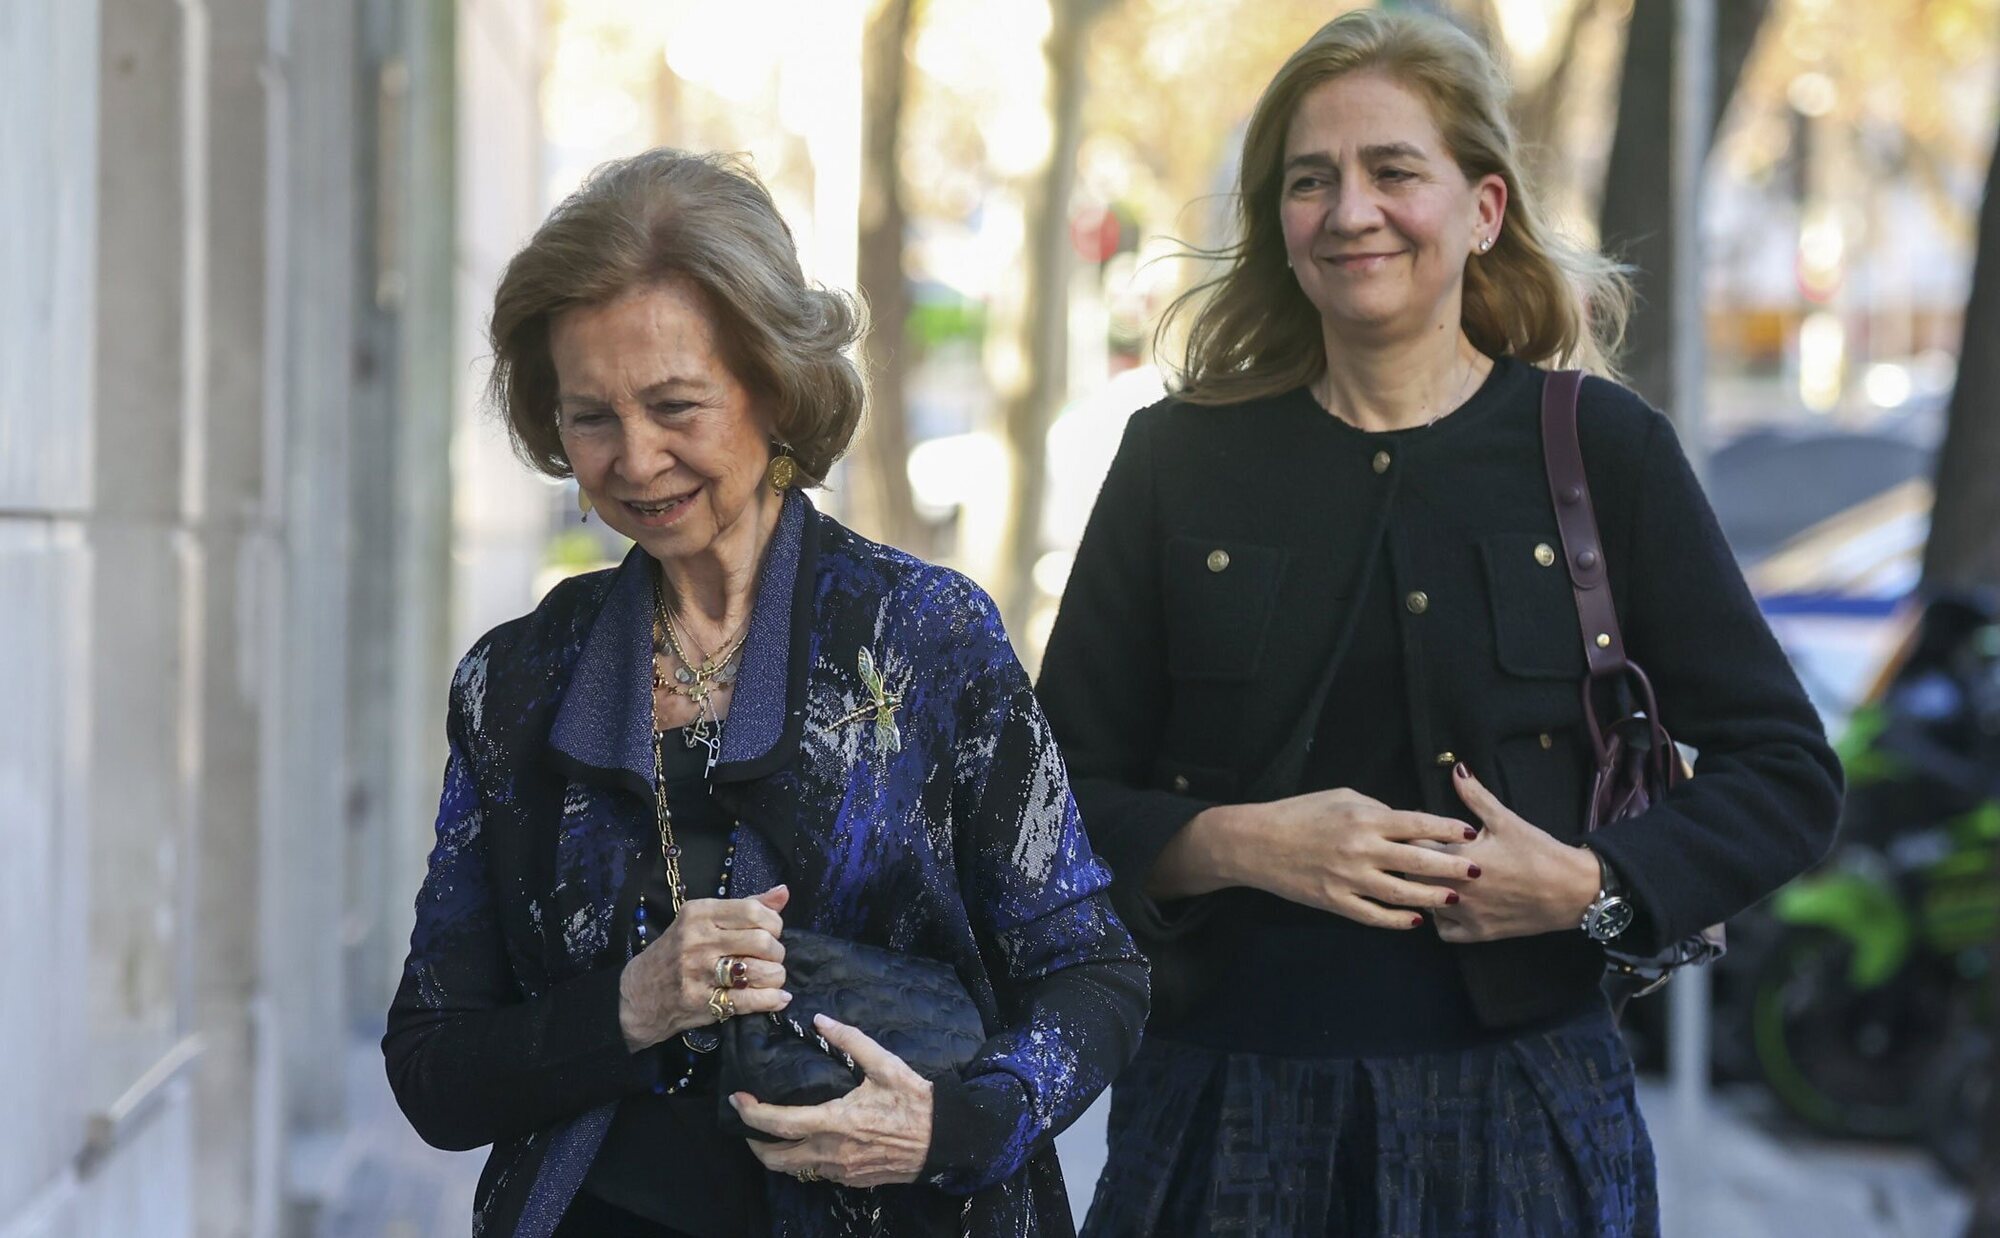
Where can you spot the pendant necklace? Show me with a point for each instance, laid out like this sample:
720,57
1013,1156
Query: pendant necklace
695,680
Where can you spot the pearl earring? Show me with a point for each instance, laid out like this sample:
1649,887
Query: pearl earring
1486,245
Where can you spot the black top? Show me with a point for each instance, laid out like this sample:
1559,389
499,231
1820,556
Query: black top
1359,990
1201,621
665,1158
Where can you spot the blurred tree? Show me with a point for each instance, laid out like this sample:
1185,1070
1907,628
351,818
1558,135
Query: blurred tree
1889,77
1964,547
1633,213
1172,84
1540,109
1032,405
880,272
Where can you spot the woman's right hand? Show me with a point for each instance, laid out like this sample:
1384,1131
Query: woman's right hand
1337,850
1343,852
665,989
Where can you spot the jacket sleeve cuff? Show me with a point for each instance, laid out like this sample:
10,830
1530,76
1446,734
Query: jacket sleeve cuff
1645,934
584,1031
1152,919
975,1127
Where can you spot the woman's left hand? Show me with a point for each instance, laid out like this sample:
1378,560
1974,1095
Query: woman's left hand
876,1135
1529,882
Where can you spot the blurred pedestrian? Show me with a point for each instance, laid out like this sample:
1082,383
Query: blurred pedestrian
1316,674
755,693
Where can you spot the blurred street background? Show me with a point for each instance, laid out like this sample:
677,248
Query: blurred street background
252,506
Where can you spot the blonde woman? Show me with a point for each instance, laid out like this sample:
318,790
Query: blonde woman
1316,675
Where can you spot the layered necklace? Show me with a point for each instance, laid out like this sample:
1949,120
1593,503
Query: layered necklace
695,679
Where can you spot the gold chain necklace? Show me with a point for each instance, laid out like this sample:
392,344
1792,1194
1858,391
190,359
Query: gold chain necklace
697,681
697,1039
693,678
707,731
664,818
1451,406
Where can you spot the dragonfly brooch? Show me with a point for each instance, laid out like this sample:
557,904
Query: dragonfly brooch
879,708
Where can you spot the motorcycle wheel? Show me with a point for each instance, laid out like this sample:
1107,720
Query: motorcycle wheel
1956,1096
1847,1062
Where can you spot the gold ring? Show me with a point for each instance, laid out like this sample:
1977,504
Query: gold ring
739,974
721,1005
807,1175
723,967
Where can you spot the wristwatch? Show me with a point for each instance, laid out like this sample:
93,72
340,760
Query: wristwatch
1610,913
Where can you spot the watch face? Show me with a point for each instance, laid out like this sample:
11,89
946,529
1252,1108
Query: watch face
1609,918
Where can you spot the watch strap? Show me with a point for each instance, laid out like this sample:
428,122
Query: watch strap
1610,892
1607,877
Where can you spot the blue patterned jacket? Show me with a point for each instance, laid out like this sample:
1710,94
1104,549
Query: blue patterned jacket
963,846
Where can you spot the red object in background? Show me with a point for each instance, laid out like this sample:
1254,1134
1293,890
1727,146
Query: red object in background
1094,232
1816,286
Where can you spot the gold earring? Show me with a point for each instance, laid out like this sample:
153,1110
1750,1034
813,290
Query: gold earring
784,470
583,505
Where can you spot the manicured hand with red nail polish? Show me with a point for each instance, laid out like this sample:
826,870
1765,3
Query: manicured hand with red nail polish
1339,851
1521,880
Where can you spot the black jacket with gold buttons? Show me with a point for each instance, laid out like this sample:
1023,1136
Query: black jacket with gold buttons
1204,609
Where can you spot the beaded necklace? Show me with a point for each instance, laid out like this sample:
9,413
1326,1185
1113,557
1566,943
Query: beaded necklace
707,731
697,681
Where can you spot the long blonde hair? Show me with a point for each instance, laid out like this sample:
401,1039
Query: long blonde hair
1534,295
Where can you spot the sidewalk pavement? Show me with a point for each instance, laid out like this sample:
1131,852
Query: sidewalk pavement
394,1184
1731,1178
1735,1178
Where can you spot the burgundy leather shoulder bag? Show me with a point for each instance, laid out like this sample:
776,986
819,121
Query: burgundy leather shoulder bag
1636,760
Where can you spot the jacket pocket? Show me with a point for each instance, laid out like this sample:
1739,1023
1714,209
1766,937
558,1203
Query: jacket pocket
1535,632
1545,779
1219,595
1203,782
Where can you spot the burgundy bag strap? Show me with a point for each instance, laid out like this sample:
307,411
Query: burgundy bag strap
1576,519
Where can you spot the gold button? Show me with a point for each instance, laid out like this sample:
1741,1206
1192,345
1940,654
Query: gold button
1381,462
1548,741
1604,640
1545,555
1180,782
1417,602
1447,758
1217,560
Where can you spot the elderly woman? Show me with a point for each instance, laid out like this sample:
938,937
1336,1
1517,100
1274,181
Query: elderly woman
1318,670
758,722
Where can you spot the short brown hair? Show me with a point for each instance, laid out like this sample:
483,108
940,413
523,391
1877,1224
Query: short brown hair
1536,295
668,214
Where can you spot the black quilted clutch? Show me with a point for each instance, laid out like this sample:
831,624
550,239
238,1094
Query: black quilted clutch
913,1007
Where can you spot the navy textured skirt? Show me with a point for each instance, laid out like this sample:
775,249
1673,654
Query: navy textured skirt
1535,1137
